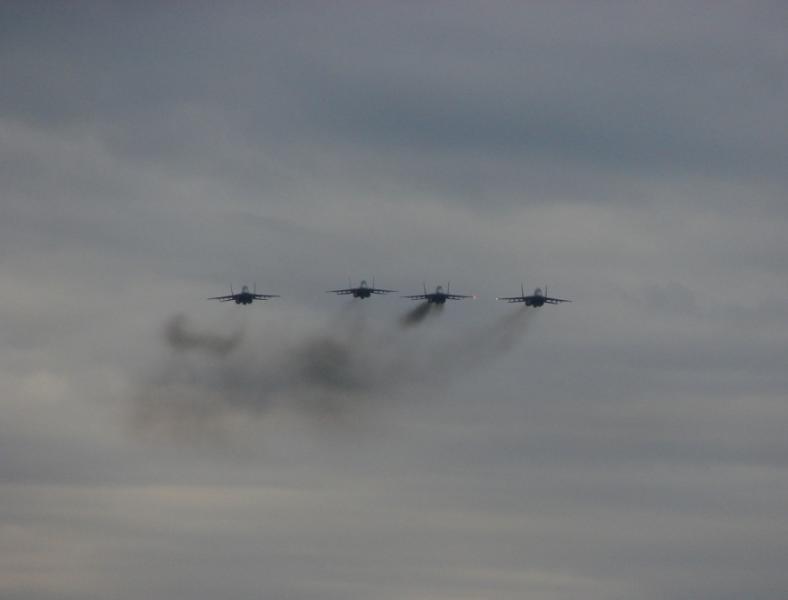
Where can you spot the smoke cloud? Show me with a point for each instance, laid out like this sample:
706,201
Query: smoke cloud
321,371
181,337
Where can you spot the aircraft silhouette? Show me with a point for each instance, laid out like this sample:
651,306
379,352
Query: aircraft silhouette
244,296
536,299
438,296
362,291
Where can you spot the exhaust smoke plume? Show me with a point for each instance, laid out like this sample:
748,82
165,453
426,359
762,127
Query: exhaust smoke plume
321,372
417,314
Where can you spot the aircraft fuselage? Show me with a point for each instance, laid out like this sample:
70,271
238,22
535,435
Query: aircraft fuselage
245,297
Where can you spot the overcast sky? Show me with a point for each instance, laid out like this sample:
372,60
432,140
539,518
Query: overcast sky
630,156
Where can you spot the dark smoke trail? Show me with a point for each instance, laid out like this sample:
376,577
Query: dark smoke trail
470,350
416,315
324,374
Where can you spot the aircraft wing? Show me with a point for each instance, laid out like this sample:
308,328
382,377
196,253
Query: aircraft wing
264,296
380,291
222,298
513,299
417,297
457,296
341,292
549,300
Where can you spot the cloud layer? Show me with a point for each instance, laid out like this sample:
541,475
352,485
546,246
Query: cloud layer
631,158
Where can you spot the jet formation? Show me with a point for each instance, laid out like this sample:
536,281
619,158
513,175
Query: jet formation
363,290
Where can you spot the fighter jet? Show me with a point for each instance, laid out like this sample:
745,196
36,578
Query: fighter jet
536,299
362,291
244,296
438,296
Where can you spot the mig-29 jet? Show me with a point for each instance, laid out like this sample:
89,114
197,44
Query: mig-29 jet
438,296
244,296
536,299
362,291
